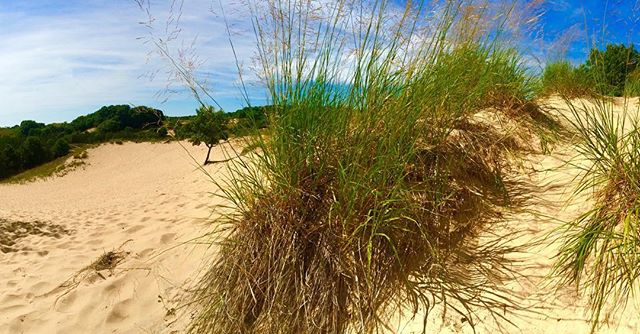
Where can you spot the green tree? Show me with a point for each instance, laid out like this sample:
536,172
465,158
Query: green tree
60,148
110,125
611,67
9,161
33,152
209,127
28,125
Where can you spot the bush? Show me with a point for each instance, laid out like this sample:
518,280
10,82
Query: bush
27,126
110,125
162,132
60,148
33,152
610,68
632,86
10,161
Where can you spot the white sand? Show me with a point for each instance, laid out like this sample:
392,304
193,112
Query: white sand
151,194
154,196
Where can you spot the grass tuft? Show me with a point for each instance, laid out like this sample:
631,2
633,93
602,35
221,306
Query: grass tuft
600,252
375,188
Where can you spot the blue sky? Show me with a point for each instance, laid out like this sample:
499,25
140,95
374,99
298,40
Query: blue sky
61,59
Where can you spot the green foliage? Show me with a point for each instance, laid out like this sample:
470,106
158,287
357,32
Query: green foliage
366,196
27,126
599,249
33,143
605,72
162,132
632,87
60,148
610,68
10,161
562,78
120,117
110,125
33,152
208,127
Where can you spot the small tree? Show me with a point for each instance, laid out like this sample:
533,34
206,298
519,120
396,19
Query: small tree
208,127
60,148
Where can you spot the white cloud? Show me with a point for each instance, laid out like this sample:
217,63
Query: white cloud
57,65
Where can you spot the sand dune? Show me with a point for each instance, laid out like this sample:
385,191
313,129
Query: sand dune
139,200
139,203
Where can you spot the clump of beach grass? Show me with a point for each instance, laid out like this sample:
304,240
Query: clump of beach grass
368,193
600,250
562,78
107,261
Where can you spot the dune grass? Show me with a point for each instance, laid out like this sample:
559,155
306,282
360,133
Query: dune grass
367,194
600,250
632,87
560,77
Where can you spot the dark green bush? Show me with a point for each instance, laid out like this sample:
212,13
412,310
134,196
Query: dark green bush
33,152
27,126
162,132
632,87
60,148
110,125
611,67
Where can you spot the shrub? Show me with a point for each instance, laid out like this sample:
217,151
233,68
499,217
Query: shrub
33,152
162,132
27,126
610,67
60,148
110,125
9,161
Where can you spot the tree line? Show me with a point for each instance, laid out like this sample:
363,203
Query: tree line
612,71
32,143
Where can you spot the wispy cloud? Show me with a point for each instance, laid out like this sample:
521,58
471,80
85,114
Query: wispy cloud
57,63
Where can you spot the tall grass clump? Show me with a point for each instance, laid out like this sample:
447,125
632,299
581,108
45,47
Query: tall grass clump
560,77
600,250
632,86
367,194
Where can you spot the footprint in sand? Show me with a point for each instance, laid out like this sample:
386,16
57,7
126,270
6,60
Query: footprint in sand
145,253
166,238
135,228
119,312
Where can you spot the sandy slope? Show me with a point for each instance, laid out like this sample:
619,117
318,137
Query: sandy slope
150,195
147,199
